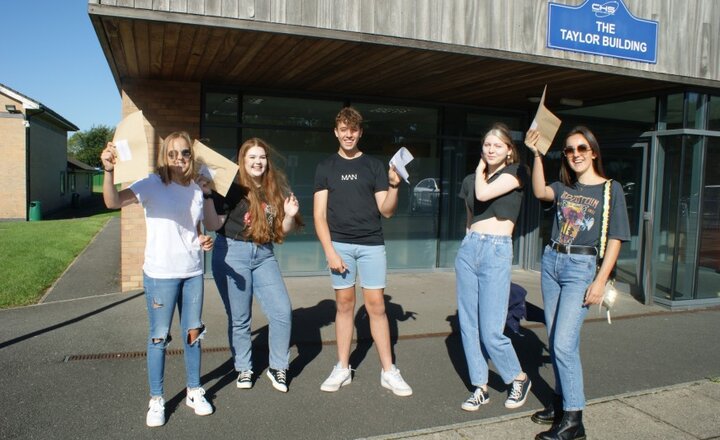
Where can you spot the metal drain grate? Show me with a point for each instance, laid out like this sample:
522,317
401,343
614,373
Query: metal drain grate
133,354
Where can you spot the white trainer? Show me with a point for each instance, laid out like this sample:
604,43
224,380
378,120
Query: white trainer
393,381
338,378
196,400
156,412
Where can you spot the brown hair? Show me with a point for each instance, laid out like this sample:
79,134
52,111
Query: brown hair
350,117
162,166
503,133
272,191
567,175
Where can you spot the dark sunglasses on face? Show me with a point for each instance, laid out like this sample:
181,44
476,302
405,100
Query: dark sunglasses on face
173,154
581,149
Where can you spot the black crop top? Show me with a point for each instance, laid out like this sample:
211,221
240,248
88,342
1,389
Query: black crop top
504,207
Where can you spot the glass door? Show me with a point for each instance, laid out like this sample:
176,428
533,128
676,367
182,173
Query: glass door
627,164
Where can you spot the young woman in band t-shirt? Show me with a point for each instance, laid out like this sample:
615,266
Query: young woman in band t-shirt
571,281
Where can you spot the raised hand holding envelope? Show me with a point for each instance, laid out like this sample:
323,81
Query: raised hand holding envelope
546,124
400,160
216,167
132,162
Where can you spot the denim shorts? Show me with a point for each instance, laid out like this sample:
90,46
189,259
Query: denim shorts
369,261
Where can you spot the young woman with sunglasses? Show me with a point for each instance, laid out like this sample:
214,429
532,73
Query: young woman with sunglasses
493,196
258,211
173,270
571,280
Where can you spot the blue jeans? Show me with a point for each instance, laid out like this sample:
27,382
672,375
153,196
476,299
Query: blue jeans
162,295
482,273
243,269
565,279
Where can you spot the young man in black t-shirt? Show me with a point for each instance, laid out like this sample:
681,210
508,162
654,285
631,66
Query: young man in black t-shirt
352,191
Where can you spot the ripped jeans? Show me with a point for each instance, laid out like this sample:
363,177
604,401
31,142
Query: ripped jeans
162,295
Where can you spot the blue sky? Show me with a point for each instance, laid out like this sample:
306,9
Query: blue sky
50,53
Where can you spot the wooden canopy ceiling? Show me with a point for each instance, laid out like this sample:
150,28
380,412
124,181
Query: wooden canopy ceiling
173,51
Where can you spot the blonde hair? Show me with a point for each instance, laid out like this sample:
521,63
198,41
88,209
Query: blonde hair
502,132
162,167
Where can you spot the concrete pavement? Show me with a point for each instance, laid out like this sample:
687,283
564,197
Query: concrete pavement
74,367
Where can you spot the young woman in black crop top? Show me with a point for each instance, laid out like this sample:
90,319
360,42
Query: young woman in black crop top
482,268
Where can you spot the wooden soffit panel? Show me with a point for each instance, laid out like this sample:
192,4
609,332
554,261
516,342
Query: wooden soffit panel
139,49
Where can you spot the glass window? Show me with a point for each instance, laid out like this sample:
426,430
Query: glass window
676,229
630,117
714,113
223,140
708,277
674,111
71,178
411,234
221,107
290,112
694,111
63,183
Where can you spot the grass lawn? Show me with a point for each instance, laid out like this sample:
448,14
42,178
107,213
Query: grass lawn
34,254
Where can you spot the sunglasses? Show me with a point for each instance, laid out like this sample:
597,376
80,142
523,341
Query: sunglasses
173,154
581,149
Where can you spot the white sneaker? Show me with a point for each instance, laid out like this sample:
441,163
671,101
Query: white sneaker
156,412
196,400
393,381
338,378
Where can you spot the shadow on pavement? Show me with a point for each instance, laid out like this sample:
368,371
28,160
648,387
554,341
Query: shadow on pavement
395,313
68,322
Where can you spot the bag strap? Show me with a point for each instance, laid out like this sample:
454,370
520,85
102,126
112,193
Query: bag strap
605,219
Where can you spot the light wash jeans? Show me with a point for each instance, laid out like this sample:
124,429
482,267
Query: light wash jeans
482,273
565,279
162,295
243,269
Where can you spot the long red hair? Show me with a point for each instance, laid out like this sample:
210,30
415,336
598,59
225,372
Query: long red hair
272,191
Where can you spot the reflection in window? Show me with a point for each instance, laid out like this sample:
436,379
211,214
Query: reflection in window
290,112
63,183
708,283
221,107
674,111
714,113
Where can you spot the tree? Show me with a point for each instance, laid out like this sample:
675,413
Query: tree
86,146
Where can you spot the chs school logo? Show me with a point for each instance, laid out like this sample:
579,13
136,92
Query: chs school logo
348,177
604,10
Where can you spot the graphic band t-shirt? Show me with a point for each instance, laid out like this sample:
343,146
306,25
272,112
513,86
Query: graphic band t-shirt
236,207
352,212
578,215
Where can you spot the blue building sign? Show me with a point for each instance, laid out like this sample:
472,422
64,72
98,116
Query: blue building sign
602,28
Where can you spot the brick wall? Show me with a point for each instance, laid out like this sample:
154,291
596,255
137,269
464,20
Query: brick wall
168,106
13,203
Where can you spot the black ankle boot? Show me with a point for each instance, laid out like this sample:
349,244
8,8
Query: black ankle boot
552,414
570,428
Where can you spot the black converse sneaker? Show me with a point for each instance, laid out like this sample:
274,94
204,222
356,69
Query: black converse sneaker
244,380
479,397
518,393
278,379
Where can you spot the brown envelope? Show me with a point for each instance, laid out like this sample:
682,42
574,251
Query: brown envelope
546,123
216,167
131,145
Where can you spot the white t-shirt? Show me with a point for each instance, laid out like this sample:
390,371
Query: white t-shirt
172,212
